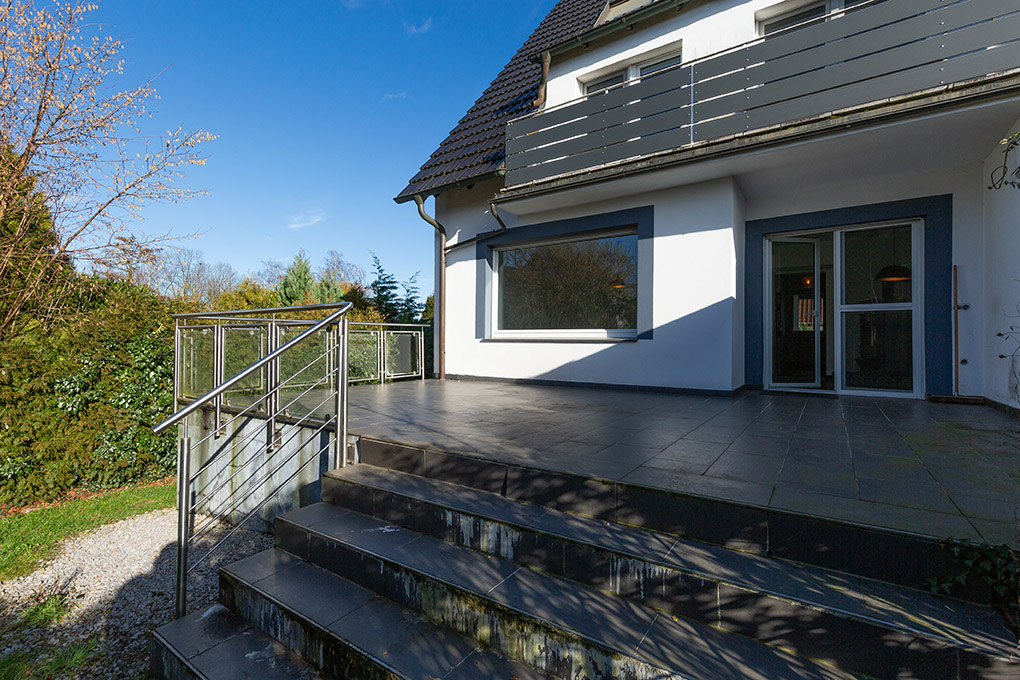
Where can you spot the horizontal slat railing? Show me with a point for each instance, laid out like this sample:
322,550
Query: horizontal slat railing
872,53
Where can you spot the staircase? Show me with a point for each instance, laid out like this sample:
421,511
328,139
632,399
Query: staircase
446,566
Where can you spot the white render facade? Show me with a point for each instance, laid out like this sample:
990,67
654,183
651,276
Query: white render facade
715,227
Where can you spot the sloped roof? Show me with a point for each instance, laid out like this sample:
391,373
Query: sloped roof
475,148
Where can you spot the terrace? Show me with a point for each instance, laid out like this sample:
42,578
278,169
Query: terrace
935,470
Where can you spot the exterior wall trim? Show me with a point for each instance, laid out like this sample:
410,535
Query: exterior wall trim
937,212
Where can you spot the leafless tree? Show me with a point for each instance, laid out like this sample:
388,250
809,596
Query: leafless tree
71,142
341,270
184,274
271,274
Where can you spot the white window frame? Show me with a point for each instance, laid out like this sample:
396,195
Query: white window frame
783,10
631,71
577,334
916,306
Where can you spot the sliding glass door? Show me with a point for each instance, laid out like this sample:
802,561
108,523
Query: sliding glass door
845,310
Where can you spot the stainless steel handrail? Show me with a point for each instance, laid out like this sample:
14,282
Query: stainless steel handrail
264,361
263,310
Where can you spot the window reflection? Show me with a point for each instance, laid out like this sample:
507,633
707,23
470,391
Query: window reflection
583,284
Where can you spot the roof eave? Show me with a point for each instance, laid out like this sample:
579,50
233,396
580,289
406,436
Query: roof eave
406,195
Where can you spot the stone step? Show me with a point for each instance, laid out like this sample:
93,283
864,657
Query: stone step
346,631
555,624
858,624
855,548
216,644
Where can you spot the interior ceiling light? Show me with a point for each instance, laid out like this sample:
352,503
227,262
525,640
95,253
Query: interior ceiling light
893,272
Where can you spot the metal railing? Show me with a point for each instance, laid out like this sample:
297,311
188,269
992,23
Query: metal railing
872,52
386,351
313,362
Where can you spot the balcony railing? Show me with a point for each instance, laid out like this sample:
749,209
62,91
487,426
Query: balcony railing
875,52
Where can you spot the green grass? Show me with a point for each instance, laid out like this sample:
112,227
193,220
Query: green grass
29,538
45,663
46,613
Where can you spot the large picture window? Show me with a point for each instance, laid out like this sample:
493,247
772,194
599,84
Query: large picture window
582,287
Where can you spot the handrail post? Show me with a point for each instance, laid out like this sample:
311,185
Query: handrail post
219,357
342,388
177,364
183,503
273,378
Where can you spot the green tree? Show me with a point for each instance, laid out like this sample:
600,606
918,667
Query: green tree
384,291
428,312
409,309
298,284
329,288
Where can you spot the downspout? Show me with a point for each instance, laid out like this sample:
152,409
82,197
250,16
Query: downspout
481,237
546,60
420,202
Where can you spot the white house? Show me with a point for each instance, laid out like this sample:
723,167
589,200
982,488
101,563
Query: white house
723,194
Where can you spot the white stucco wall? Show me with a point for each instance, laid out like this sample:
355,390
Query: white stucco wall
1002,284
696,313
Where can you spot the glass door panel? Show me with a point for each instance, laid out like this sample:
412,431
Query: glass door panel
877,313
878,350
795,317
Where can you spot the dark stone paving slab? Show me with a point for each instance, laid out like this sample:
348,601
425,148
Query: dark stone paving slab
898,463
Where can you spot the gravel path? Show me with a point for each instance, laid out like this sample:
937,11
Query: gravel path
119,582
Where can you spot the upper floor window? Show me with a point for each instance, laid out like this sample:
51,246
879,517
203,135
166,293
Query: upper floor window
634,71
784,15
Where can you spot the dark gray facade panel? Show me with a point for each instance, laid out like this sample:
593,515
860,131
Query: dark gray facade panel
720,127
625,127
883,38
619,98
842,27
931,75
546,139
650,144
879,64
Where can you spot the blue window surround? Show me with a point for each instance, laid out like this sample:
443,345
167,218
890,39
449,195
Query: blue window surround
937,212
642,218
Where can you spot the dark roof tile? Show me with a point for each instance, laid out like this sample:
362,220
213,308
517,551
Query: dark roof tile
475,147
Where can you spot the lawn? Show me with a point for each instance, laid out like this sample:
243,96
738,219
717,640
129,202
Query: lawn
27,539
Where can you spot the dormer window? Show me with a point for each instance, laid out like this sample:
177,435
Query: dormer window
617,8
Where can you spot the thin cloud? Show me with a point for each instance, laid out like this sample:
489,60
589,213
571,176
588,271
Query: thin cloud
418,29
390,96
305,220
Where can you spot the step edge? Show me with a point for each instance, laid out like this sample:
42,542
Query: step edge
303,619
158,638
672,492
877,622
558,626
294,613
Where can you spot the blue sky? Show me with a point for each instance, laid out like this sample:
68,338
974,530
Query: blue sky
324,109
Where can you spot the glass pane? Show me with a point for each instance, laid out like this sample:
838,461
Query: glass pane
793,18
661,65
196,370
793,312
363,355
305,386
588,284
402,354
876,265
241,348
604,83
878,350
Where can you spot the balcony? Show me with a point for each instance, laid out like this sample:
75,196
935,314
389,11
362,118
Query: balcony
877,54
